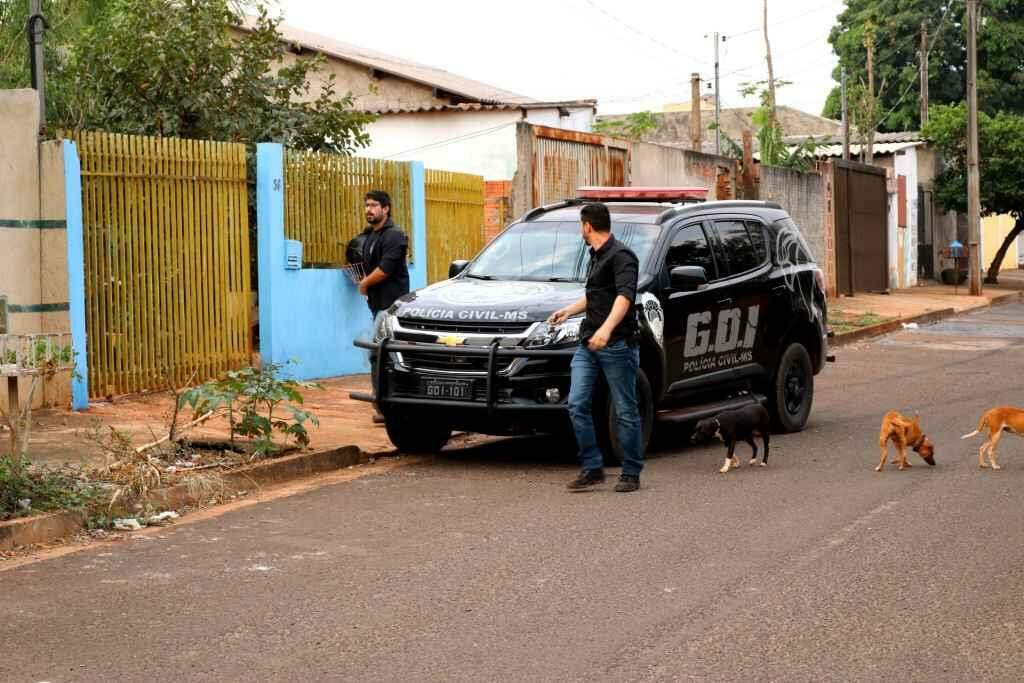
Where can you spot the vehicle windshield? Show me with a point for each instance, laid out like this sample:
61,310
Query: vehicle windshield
551,251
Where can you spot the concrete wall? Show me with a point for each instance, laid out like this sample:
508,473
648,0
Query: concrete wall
662,165
312,316
33,234
803,196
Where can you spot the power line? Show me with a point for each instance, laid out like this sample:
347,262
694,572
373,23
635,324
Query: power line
643,34
788,19
906,90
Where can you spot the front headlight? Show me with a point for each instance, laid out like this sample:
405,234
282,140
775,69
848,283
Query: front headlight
383,326
556,335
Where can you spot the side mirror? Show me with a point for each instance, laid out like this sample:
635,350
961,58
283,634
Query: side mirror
688,278
456,267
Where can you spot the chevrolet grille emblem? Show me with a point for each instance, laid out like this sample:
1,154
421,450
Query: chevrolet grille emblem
451,340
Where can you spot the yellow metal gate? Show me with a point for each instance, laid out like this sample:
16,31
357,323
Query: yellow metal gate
455,220
166,260
324,201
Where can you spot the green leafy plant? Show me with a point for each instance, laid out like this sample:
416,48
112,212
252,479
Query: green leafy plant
24,490
772,147
258,404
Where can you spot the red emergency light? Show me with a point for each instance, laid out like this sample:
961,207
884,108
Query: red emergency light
661,194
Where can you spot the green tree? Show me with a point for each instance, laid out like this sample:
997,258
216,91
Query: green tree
1001,154
180,68
772,149
631,127
897,36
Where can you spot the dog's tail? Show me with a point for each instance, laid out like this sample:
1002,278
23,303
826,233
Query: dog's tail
981,424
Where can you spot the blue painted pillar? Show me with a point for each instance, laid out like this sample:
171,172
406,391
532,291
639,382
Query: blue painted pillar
418,194
76,275
270,242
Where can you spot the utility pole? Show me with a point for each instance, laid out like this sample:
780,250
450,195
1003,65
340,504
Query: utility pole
869,146
973,177
696,126
846,119
924,73
718,104
35,27
771,71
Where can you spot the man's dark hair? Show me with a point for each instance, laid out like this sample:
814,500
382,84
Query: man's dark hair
597,215
379,196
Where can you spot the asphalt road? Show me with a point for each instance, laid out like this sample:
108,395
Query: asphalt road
480,566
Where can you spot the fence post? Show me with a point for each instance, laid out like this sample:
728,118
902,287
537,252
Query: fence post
76,275
269,240
418,196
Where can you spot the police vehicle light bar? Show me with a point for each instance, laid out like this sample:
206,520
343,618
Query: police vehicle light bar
670,194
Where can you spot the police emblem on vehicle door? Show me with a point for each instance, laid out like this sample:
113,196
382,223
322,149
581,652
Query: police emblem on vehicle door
719,340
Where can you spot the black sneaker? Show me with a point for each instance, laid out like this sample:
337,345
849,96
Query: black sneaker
585,480
627,484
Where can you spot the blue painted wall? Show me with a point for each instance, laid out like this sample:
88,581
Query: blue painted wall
312,316
76,274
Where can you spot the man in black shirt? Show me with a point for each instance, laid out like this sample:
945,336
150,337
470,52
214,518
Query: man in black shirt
384,251
608,345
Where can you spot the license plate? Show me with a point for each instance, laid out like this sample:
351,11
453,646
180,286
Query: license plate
458,389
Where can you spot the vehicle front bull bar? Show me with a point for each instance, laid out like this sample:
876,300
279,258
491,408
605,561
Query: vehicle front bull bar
492,352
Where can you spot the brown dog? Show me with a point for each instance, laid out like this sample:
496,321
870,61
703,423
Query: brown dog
997,420
903,432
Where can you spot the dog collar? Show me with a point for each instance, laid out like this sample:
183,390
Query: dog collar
920,441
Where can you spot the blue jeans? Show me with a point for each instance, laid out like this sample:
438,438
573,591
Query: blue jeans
619,362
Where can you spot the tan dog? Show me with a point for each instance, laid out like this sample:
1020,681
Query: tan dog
997,420
903,432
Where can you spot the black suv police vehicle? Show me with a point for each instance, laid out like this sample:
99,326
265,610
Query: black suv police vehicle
730,304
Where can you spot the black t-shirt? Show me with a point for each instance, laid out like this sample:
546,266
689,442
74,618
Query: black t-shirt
386,249
613,271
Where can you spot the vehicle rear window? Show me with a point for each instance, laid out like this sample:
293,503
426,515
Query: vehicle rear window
757,238
740,252
790,246
690,247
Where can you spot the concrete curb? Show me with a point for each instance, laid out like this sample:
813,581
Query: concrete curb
40,529
54,526
923,319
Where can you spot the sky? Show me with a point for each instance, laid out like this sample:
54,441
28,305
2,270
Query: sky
630,56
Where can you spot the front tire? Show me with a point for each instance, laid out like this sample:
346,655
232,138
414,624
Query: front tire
792,390
417,435
605,419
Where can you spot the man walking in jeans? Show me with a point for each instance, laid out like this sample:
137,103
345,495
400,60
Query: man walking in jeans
608,345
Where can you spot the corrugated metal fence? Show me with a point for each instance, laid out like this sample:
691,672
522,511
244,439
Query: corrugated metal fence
166,260
455,219
324,200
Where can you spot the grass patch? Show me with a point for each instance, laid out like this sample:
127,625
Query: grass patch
841,323
27,491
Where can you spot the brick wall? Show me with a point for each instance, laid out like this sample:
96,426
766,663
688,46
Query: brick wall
497,207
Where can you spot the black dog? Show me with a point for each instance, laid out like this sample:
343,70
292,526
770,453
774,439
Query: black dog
741,424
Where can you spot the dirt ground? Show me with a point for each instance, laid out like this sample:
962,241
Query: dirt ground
61,436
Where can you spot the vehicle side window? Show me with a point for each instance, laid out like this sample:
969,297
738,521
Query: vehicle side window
757,238
740,253
690,247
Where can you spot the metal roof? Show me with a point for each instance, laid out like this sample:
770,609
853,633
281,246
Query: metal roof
474,106
409,70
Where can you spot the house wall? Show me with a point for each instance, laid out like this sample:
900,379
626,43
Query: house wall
477,142
903,241
994,230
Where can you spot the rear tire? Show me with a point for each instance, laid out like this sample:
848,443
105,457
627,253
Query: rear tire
792,391
416,434
604,420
